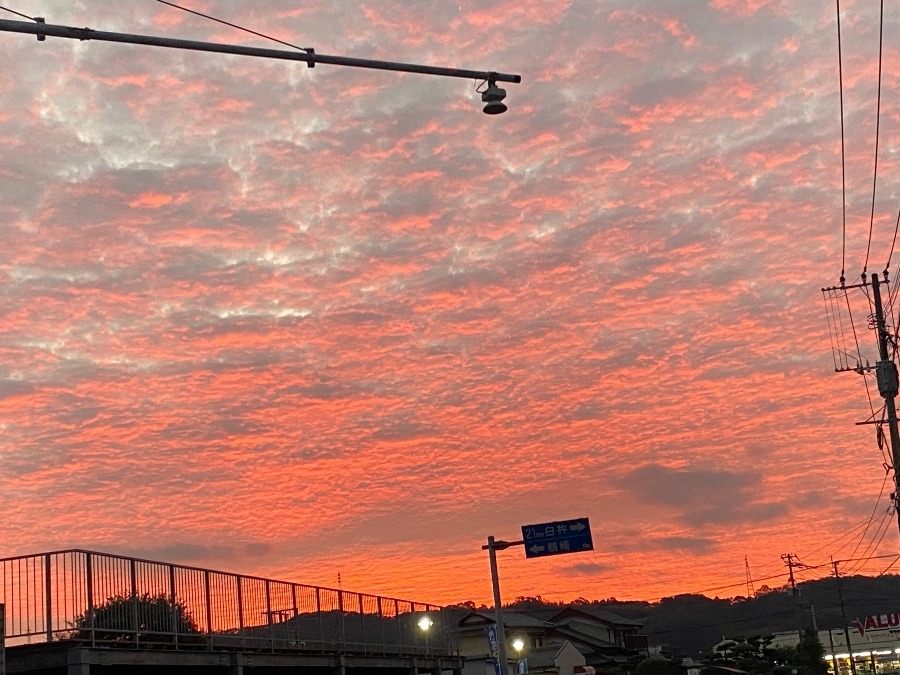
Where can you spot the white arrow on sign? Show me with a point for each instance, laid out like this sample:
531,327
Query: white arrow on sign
536,549
578,527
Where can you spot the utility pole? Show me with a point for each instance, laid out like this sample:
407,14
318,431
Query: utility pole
837,578
886,374
834,661
788,558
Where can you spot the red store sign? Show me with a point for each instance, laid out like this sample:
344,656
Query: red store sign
876,621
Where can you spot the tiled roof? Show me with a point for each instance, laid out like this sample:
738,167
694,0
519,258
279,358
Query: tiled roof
598,614
544,657
510,619
585,632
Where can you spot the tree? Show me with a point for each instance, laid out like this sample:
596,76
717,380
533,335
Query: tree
144,618
658,666
811,655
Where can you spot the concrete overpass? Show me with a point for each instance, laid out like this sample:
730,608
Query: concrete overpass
78,612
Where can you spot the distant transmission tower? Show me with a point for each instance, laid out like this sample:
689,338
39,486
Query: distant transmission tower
848,357
751,591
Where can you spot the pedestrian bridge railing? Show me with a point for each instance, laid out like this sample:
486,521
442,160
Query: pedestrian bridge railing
104,599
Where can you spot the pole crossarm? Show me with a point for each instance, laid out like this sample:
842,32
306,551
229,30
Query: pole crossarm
310,57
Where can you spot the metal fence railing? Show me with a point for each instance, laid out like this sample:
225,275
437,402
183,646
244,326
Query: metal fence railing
98,598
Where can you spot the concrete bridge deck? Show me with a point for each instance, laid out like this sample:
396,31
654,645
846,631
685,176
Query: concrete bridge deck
73,658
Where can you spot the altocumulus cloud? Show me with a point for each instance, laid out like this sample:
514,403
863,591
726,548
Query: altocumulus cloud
704,496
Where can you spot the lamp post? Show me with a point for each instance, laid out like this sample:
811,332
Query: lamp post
521,664
425,624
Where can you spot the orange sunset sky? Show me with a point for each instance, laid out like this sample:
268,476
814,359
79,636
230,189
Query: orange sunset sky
305,322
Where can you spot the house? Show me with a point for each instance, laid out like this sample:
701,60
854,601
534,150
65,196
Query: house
607,640
472,640
604,640
612,628
554,659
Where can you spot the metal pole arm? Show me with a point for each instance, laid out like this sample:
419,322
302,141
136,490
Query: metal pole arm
500,545
42,30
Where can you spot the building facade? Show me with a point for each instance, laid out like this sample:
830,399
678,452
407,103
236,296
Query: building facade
872,643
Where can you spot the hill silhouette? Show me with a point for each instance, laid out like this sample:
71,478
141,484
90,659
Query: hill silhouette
689,624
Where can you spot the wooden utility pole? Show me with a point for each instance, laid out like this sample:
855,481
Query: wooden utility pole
837,578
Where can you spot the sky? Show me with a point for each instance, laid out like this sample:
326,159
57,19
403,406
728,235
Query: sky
304,323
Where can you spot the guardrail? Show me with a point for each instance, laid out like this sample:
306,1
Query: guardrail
99,598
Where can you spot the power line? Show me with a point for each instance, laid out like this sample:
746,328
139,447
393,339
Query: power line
234,25
877,129
722,588
856,342
893,241
724,622
12,11
890,566
871,557
843,153
873,545
871,518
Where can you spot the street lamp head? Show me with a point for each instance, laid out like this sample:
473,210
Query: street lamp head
425,623
518,644
493,99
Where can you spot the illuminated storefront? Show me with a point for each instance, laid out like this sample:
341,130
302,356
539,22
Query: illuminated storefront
874,644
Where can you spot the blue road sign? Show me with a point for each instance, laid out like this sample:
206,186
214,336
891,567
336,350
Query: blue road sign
493,648
562,536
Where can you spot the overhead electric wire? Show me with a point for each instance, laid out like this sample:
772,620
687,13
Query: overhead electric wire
856,342
873,545
887,569
893,241
871,557
741,619
887,521
872,517
877,130
12,11
234,25
843,153
743,583
849,532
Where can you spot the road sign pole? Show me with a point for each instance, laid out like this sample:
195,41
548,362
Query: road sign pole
542,539
498,607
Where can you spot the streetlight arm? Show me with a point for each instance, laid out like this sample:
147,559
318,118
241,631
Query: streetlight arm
500,545
311,58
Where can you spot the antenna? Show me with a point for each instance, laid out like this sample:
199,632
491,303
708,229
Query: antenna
751,590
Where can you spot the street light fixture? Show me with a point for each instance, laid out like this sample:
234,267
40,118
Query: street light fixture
521,664
425,624
493,99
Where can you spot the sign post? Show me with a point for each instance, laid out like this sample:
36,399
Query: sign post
542,539
500,635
